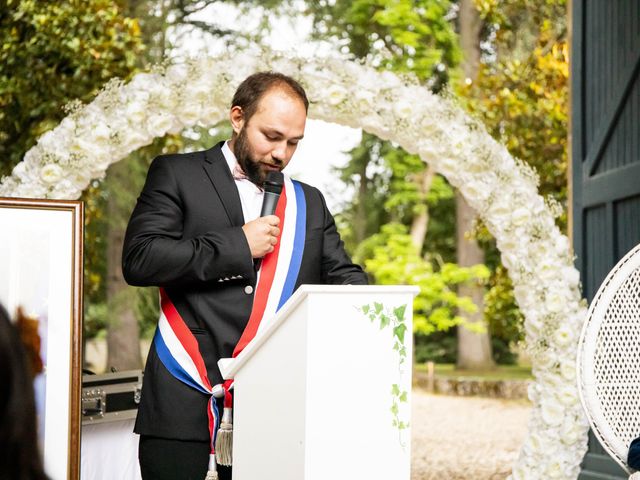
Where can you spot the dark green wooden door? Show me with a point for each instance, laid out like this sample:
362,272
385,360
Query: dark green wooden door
605,153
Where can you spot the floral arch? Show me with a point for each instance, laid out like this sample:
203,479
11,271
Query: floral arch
125,117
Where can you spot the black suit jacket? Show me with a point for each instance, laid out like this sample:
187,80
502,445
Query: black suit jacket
185,235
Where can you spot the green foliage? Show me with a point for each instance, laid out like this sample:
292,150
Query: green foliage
400,35
392,259
522,95
52,53
503,316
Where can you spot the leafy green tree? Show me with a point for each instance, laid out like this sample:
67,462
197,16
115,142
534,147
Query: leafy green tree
521,95
52,53
391,258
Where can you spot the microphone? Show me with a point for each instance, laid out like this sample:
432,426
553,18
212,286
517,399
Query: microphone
272,190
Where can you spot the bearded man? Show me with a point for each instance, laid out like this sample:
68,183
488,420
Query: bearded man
197,233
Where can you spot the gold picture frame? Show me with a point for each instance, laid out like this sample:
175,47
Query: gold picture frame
41,251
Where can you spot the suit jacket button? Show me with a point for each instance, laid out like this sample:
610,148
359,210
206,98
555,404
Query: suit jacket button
248,289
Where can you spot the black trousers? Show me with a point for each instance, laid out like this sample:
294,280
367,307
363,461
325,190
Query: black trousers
164,459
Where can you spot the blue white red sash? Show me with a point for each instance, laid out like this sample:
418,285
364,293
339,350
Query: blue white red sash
176,346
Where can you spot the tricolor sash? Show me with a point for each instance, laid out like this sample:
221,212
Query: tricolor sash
178,349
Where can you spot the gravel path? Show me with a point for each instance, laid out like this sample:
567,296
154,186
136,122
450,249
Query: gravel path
465,437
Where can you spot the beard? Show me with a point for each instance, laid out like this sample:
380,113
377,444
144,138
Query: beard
248,162
244,154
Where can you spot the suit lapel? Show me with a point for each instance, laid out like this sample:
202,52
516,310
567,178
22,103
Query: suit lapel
218,172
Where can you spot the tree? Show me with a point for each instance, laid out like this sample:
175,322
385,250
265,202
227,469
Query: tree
521,94
474,347
53,53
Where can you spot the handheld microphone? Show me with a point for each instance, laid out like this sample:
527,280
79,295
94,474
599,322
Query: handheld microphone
272,190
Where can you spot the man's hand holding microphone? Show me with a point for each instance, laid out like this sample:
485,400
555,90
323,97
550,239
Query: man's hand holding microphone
263,232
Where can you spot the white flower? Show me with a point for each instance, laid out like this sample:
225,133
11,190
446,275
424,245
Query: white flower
101,133
177,73
551,411
564,335
159,124
555,302
136,112
51,173
568,394
188,114
521,217
403,109
133,140
571,276
65,190
335,95
568,370
554,468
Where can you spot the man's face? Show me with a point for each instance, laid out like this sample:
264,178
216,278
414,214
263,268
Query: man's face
269,139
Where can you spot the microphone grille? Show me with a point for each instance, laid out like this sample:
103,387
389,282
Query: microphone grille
274,182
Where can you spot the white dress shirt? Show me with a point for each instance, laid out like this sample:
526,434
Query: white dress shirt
250,195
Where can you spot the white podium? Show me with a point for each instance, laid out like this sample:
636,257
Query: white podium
323,391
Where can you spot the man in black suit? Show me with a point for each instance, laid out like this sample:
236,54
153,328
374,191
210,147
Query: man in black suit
196,232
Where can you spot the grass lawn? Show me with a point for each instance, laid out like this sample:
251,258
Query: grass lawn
500,372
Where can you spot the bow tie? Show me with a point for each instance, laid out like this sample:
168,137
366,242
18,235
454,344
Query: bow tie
238,174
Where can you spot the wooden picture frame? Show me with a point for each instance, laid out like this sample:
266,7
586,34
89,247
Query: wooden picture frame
41,253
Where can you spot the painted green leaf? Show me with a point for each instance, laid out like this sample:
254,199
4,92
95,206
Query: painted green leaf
399,312
399,331
384,321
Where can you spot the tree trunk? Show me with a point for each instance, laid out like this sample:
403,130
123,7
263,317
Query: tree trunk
421,221
123,333
474,349
361,208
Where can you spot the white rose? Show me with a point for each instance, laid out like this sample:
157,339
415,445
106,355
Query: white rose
555,302
533,392
364,98
561,245
571,432
335,95
158,124
546,271
189,114
521,217
501,207
554,468
510,260
82,146
177,73
211,114
101,133
144,81
65,190
136,112
564,335
67,125
475,191
571,276
552,413
567,395
49,141
31,190
51,173
403,109
568,370
134,139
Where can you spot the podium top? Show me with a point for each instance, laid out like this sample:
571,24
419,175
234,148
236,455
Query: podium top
230,366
